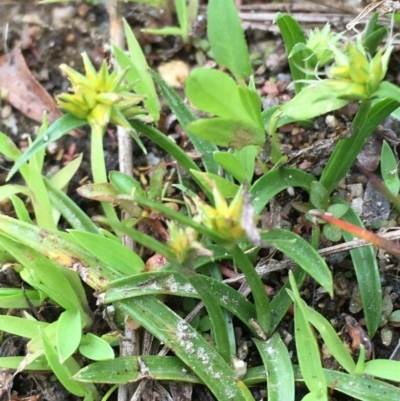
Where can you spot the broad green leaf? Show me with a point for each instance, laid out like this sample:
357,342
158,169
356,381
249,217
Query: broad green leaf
228,132
216,93
276,359
389,169
383,368
185,117
252,103
302,253
230,163
125,184
368,277
247,158
110,252
331,339
331,232
62,372
227,188
58,129
69,333
95,348
319,196
227,38
275,181
313,101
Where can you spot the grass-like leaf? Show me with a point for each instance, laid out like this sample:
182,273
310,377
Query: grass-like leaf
367,119
302,253
275,181
307,347
276,359
185,117
58,129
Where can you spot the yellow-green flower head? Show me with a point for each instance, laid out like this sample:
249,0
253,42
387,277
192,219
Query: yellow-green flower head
183,242
322,42
100,97
224,220
355,76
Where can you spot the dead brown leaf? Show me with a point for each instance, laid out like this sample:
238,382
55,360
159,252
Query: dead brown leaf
25,93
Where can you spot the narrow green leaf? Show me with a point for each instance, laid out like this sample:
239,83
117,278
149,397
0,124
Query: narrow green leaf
15,298
185,117
188,345
138,72
69,333
58,129
227,188
358,387
168,30
165,143
275,181
292,35
48,275
75,216
276,359
13,362
367,272
165,282
110,252
346,151
128,369
63,177
302,253
331,339
383,368
21,210
21,327
307,347
182,13
389,169
227,38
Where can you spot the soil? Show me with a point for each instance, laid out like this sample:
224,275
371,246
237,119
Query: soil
49,35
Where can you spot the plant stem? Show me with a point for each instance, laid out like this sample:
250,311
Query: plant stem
261,301
99,169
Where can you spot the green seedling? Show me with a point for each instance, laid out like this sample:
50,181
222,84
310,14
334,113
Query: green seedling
187,14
